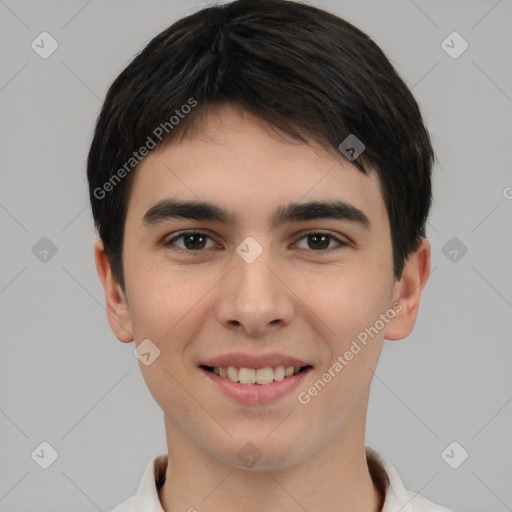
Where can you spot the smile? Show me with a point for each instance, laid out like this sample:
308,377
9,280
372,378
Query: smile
256,386
261,376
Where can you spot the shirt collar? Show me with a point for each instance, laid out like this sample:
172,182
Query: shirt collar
146,499
384,475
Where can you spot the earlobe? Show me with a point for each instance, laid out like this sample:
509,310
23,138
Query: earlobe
118,313
408,292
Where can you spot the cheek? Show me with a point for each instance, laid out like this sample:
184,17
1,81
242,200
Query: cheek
163,303
165,309
346,300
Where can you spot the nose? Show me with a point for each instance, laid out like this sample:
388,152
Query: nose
254,297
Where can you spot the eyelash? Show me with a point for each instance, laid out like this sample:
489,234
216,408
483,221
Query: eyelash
341,243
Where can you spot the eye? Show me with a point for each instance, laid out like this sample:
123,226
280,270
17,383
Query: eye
193,241
320,240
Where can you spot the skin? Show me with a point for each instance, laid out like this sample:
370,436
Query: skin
294,298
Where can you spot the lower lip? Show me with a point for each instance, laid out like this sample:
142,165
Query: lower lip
257,394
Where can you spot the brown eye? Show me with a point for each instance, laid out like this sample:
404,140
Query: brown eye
319,241
192,241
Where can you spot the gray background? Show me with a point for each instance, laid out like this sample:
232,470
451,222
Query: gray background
66,380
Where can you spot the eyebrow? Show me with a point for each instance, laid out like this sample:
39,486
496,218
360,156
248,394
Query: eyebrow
167,209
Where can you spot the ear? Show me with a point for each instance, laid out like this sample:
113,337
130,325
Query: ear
118,313
407,293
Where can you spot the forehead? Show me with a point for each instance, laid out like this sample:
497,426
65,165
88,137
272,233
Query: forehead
244,165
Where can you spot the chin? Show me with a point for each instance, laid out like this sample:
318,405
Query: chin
262,454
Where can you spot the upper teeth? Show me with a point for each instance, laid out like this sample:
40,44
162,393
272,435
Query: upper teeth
256,376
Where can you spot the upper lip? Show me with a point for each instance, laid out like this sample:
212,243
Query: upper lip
240,360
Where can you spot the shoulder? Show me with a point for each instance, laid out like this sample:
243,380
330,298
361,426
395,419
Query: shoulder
396,496
418,503
126,506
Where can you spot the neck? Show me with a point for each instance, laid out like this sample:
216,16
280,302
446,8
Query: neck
336,477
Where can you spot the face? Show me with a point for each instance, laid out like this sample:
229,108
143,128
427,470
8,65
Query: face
258,290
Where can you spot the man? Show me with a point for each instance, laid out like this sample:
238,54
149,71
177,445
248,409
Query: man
260,181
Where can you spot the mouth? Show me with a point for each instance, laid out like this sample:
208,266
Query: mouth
252,379
259,376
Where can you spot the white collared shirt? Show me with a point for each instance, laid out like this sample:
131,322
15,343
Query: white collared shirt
398,499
